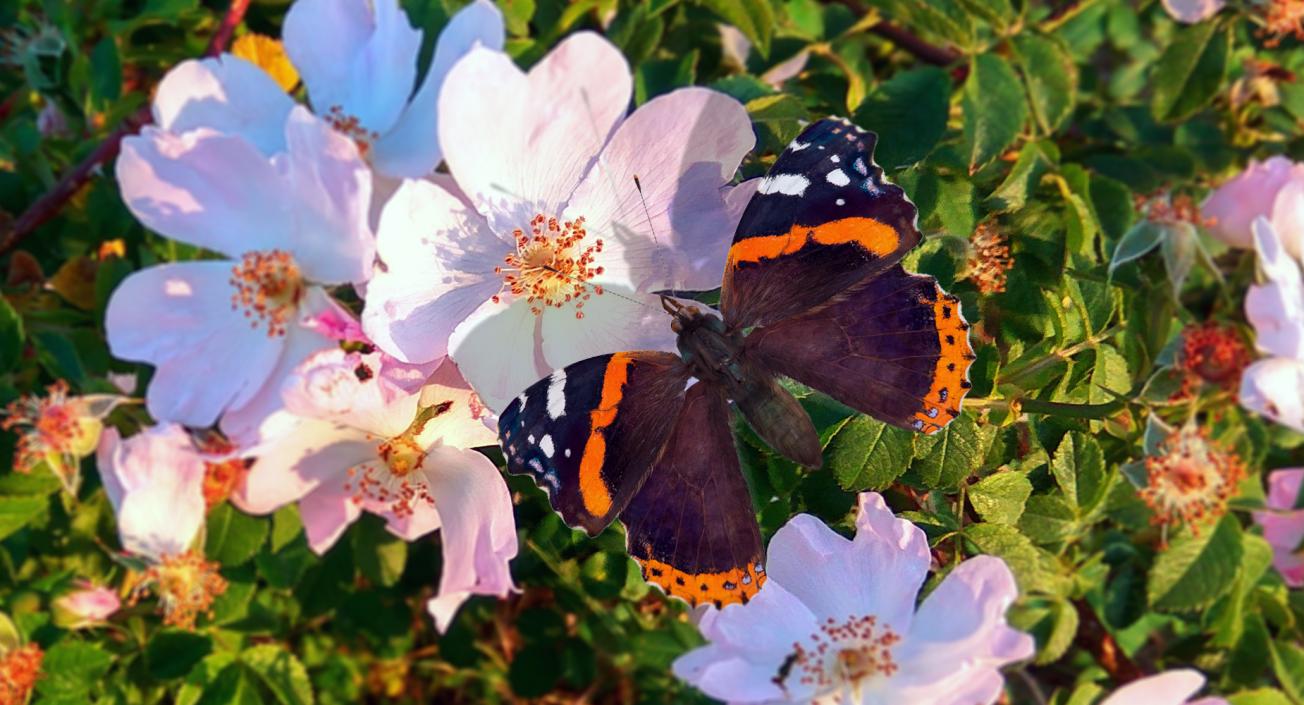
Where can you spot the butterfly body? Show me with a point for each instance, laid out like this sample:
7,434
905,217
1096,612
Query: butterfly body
814,291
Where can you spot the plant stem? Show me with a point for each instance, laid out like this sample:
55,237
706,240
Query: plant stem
1100,643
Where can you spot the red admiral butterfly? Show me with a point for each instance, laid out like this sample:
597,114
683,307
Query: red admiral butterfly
813,290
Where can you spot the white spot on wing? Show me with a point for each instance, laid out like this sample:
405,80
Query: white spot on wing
841,202
545,444
566,452
835,158
797,146
786,184
859,166
557,395
838,177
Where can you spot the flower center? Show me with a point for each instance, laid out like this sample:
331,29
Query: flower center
351,127
551,265
989,259
397,479
186,586
19,670
1281,19
268,286
1190,479
843,654
1215,353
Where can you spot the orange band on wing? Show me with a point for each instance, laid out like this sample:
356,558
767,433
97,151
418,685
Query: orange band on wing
873,236
950,379
725,588
593,490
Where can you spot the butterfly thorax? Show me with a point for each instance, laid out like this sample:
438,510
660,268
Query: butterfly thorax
716,355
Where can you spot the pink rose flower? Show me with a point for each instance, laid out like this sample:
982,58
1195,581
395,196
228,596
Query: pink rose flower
1273,189
837,620
220,331
550,256
88,605
1274,386
1167,688
1283,524
351,440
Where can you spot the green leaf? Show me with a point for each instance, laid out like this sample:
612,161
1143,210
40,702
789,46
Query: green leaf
1025,560
233,536
534,670
1000,498
1259,696
1196,570
908,113
994,109
1051,78
1288,665
867,454
11,335
1179,250
949,457
1191,70
18,512
1079,469
1048,519
380,555
72,669
172,653
754,18
1035,159
1139,240
280,672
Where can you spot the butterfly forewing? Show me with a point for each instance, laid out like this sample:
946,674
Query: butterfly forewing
589,433
822,220
692,526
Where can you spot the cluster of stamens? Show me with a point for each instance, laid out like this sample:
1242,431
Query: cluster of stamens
551,266
52,427
221,477
352,128
397,480
846,653
1215,353
186,586
1162,207
1190,479
19,670
1281,19
989,259
268,286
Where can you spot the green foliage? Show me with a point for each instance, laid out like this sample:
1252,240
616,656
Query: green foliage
1056,126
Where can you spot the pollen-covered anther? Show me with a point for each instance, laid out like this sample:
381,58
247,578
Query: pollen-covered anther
989,259
1215,353
846,653
552,265
397,480
1282,19
351,127
1190,479
268,287
186,586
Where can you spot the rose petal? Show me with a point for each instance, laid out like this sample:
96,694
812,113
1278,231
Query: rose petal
228,95
1275,389
498,348
1168,688
154,480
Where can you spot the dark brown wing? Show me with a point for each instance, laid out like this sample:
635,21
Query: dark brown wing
896,347
589,433
823,220
692,526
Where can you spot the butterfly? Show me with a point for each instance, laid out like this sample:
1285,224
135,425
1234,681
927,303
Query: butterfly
814,291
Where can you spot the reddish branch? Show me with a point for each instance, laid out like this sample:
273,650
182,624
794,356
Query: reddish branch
1100,643
904,38
49,205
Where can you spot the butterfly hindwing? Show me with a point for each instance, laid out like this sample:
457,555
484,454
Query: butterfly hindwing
896,347
822,220
589,433
692,526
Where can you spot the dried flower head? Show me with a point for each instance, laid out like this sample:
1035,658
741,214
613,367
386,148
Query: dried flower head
989,259
186,586
1190,479
19,670
1282,19
1214,353
1171,208
56,429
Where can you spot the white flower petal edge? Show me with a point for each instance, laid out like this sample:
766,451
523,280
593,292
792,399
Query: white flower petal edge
1167,688
155,482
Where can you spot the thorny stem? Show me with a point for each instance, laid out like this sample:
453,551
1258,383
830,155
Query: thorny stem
1062,355
49,205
